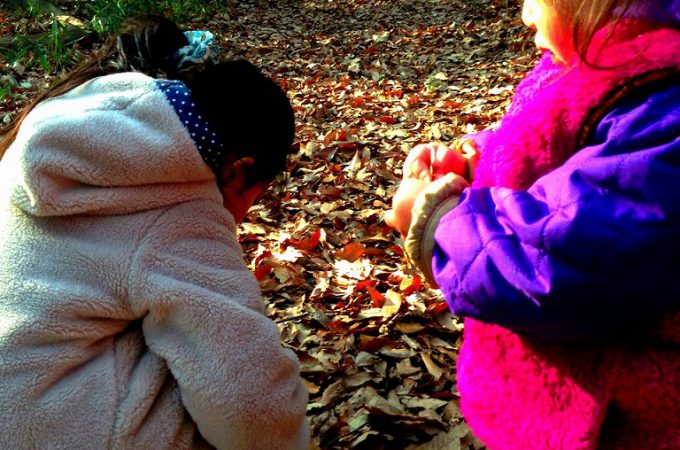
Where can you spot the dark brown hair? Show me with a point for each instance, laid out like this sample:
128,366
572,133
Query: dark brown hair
250,113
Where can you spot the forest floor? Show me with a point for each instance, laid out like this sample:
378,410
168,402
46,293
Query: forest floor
368,79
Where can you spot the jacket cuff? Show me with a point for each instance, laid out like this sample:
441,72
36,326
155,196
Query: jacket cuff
440,197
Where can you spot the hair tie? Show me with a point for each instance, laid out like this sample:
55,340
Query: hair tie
200,50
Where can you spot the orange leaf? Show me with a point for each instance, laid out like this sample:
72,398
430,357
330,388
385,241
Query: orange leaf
413,100
448,104
330,137
357,102
351,252
336,326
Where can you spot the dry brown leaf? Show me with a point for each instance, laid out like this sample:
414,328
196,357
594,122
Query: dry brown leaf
432,367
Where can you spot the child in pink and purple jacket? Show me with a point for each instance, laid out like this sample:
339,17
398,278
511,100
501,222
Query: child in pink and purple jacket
562,249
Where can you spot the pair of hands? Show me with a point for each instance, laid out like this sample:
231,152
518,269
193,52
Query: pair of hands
424,164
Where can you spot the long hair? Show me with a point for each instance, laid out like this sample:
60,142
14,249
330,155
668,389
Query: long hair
250,113
585,17
118,54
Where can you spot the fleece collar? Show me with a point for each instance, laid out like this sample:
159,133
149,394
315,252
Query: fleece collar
553,103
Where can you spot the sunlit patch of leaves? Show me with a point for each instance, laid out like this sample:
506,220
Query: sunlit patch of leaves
368,80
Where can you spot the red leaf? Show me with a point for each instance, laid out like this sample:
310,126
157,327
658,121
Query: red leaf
372,50
338,224
444,395
348,146
377,299
308,243
438,307
398,250
410,285
378,252
388,119
362,284
262,271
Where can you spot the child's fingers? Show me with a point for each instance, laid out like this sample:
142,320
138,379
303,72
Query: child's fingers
418,170
469,148
394,222
447,160
417,161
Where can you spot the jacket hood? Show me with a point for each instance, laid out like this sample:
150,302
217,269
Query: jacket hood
113,145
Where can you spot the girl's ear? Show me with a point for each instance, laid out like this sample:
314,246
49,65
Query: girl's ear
235,174
238,198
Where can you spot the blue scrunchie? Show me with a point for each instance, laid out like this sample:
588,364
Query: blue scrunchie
201,49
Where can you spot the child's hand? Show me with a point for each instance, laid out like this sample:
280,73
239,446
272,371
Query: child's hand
434,160
399,217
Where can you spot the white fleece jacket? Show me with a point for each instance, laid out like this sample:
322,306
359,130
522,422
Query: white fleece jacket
128,319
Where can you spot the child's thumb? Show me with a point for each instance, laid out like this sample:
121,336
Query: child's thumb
389,217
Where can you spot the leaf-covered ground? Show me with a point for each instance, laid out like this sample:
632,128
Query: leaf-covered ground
369,79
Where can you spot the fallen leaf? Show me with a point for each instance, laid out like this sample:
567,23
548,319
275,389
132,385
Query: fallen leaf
309,242
431,366
392,303
351,252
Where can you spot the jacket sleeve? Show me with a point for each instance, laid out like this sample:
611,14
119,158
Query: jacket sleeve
203,315
590,248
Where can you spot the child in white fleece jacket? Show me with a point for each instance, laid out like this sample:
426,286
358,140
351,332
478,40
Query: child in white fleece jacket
128,318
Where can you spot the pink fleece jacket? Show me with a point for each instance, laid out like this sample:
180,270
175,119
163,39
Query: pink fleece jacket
518,393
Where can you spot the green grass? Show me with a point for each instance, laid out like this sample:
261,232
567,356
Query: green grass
106,16
53,51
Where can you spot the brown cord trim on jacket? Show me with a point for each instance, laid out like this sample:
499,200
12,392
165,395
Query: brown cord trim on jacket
641,85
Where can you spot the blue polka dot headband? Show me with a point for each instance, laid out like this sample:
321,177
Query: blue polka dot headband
209,146
200,50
